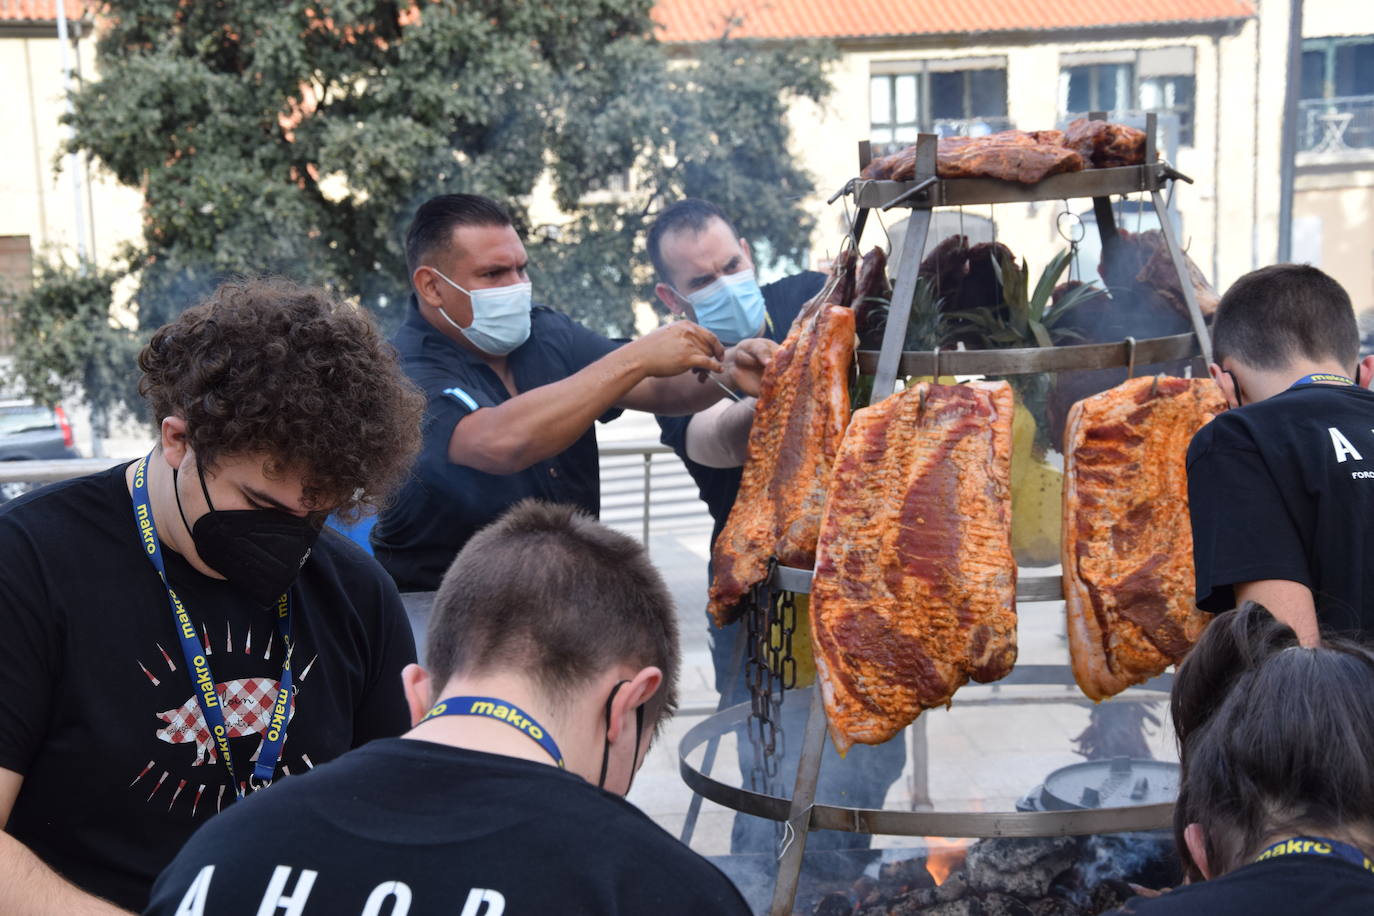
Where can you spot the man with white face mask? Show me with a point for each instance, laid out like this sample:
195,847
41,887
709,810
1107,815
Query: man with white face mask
514,389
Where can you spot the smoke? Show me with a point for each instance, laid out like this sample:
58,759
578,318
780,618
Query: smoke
1147,859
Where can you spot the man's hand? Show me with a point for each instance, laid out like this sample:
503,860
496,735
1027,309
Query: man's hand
675,348
745,362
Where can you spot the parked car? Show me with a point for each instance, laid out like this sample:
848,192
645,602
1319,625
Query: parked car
31,432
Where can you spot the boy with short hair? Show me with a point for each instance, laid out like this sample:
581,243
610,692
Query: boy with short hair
553,661
1281,489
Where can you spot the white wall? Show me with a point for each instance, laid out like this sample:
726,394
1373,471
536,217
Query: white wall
36,198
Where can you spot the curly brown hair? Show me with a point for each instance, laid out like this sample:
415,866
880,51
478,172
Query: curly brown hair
265,366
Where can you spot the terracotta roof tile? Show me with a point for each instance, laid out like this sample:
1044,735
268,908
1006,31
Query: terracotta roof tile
704,20
38,10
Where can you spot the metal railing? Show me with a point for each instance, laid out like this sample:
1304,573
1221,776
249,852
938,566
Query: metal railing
613,464
647,451
1337,125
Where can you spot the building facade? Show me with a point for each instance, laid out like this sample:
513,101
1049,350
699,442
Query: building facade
1214,71
50,202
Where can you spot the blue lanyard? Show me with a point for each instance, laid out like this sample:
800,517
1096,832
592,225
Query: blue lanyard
1317,846
501,711
199,667
1316,377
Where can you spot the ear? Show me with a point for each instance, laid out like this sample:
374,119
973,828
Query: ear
748,252
665,294
1364,372
426,284
1225,383
1196,841
636,693
173,441
416,682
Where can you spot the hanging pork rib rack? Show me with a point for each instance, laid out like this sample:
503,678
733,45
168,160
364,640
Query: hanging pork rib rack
769,623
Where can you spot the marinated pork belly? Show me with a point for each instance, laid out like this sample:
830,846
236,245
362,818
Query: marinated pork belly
915,585
1127,544
801,415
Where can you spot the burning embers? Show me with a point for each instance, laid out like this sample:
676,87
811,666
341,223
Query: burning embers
1049,876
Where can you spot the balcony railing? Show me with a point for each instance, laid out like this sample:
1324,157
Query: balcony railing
1336,126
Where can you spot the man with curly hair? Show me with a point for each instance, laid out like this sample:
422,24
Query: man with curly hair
515,390
165,624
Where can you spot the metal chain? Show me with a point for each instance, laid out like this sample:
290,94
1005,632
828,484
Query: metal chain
760,726
771,670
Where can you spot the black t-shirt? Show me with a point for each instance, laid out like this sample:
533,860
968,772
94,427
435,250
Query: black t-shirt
97,710
1284,489
442,828
719,486
1285,886
444,504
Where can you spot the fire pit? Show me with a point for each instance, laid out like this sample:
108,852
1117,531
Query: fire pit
1065,845
1039,876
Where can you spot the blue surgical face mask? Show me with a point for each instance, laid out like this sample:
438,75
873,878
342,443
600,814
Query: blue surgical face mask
731,308
500,316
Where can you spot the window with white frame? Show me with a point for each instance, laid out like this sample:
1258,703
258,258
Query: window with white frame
946,97
1133,83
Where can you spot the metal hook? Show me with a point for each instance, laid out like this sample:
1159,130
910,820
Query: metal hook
1076,228
935,373
789,834
1130,357
1154,389
883,226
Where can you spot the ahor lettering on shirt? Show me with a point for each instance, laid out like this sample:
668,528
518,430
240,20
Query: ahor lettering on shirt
480,901
193,903
398,892
495,903
1342,446
276,897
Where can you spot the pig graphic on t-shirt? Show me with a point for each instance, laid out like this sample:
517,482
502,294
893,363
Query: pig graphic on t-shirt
247,705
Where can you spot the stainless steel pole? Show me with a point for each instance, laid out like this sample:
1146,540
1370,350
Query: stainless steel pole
1288,145
73,161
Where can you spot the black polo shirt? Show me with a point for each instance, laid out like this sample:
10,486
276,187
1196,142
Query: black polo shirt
719,486
443,504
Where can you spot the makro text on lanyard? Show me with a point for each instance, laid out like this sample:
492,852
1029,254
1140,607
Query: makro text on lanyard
1317,846
1322,378
207,697
501,711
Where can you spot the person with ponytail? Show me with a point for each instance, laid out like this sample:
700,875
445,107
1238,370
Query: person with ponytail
1275,813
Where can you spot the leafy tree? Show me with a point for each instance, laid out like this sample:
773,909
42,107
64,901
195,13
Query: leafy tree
68,343
299,137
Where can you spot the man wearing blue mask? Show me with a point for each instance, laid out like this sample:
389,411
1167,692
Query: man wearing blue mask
514,389
706,274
